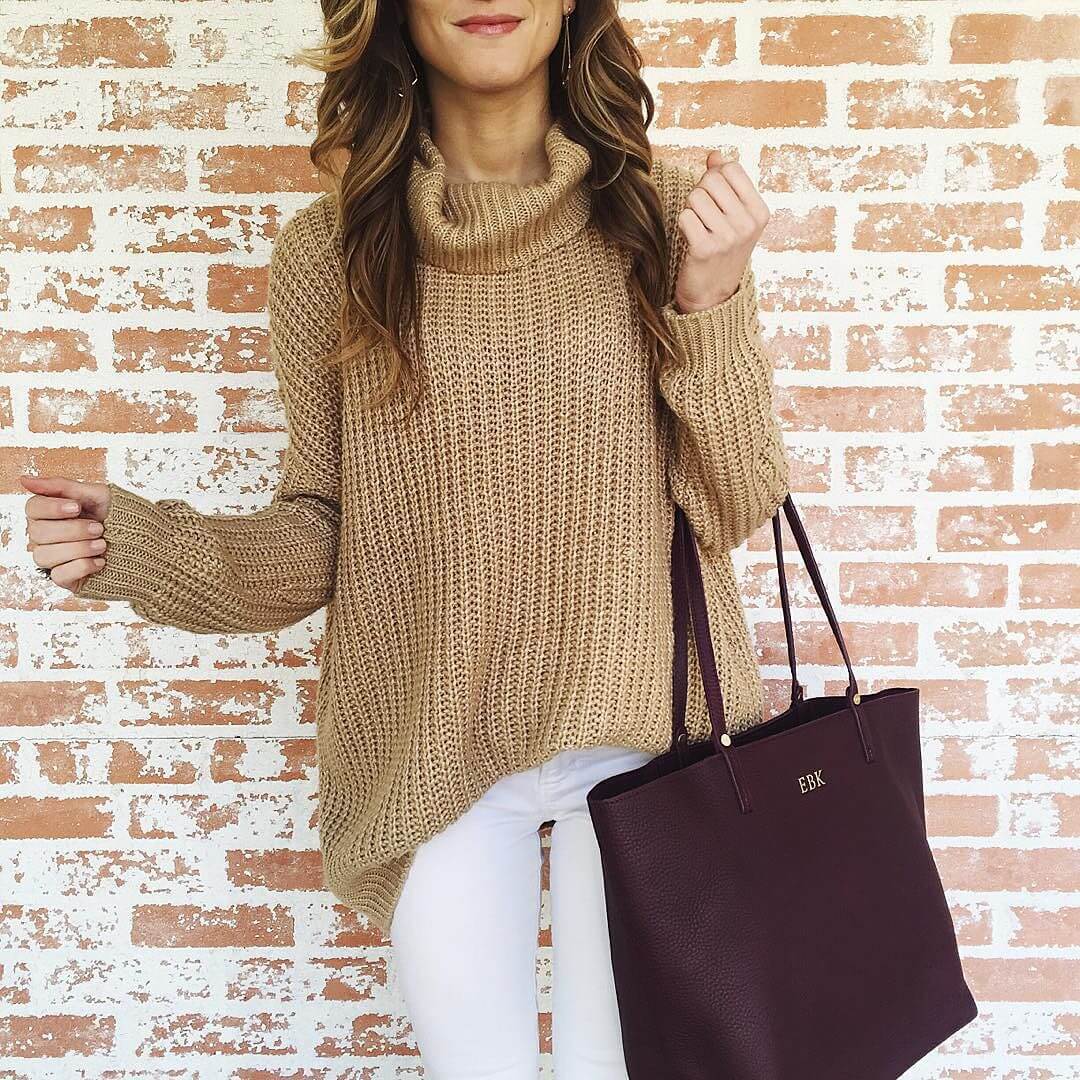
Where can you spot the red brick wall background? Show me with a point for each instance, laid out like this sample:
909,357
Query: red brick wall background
160,913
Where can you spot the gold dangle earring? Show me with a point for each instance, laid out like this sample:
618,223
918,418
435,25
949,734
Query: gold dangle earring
566,47
401,93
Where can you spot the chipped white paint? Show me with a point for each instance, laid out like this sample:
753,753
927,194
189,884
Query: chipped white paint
168,712
51,288
137,228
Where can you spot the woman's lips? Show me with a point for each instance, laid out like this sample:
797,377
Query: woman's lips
489,27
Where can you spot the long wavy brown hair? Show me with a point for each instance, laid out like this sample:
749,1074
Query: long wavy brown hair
368,120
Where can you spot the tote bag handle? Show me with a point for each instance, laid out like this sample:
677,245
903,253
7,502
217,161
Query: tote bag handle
689,607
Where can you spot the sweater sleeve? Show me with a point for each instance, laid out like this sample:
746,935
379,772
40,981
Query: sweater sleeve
262,571
728,468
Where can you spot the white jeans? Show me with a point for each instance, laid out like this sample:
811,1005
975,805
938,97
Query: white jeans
464,932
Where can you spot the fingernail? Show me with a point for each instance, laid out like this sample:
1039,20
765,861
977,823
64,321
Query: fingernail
97,545
99,562
96,528
71,508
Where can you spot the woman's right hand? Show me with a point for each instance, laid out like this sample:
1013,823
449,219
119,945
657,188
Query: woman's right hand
64,526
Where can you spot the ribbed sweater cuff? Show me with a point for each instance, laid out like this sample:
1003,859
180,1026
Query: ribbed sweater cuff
710,337
134,534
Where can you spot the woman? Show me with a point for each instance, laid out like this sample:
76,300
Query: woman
507,342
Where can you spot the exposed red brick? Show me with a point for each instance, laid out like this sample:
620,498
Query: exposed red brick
989,166
685,43
256,169
851,408
797,167
982,347
234,760
237,288
285,870
57,1035
125,41
1000,37
913,467
757,104
1012,527
48,229
952,584
236,350
1050,585
25,817
974,287
960,226
138,105
244,926
930,103
961,815
45,350
81,169
815,40
112,410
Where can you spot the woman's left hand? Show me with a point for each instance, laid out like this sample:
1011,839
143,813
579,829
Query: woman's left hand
723,218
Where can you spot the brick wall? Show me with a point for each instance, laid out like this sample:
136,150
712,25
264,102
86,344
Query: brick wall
160,912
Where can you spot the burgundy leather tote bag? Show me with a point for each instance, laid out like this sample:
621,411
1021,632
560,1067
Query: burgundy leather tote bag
774,908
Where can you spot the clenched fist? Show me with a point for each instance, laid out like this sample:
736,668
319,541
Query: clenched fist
64,526
723,219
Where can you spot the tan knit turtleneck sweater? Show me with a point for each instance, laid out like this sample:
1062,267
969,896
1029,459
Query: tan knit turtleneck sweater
496,566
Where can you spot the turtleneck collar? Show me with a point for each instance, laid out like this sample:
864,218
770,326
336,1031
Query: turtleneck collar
484,226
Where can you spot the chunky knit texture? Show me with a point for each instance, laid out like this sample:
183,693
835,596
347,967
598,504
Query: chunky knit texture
496,565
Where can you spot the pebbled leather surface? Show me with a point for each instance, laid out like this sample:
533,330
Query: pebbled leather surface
808,938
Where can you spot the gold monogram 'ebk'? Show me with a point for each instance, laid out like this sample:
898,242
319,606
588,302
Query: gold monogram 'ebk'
810,781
